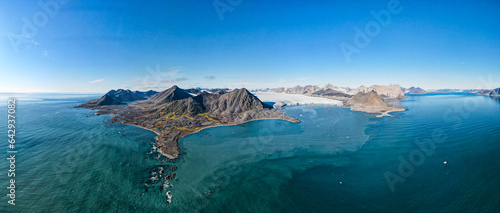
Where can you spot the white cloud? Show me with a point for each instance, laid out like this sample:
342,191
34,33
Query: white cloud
97,81
45,53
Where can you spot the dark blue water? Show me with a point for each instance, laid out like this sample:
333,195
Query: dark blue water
335,160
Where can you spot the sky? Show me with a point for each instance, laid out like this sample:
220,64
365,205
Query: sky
72,46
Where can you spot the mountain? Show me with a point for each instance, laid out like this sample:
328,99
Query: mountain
445,90
332,93
237,101
478,91
124,95
169,95
309,89
120,96
186,106
495,92
198,90
340,93
414,90
146,94
370,99
386,91
345,90
219,103
484,92
107,99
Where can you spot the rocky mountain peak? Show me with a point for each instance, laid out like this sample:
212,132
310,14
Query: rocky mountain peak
169,95
370,99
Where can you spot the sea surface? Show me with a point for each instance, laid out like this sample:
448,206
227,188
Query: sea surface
442,154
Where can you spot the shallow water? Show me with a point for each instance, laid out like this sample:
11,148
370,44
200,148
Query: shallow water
334,160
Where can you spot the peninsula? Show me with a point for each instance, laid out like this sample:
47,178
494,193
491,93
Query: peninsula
175,113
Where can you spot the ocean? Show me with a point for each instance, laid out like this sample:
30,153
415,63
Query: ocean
439,155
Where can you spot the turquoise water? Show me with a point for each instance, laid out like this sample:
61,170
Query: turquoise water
335,160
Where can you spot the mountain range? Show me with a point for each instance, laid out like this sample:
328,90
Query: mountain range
121,96
414,90
343,93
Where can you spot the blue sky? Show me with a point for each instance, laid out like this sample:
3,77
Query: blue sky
95,46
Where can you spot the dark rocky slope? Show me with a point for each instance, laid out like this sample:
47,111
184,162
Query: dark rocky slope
171,94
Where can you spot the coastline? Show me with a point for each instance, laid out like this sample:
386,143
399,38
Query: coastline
152,130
